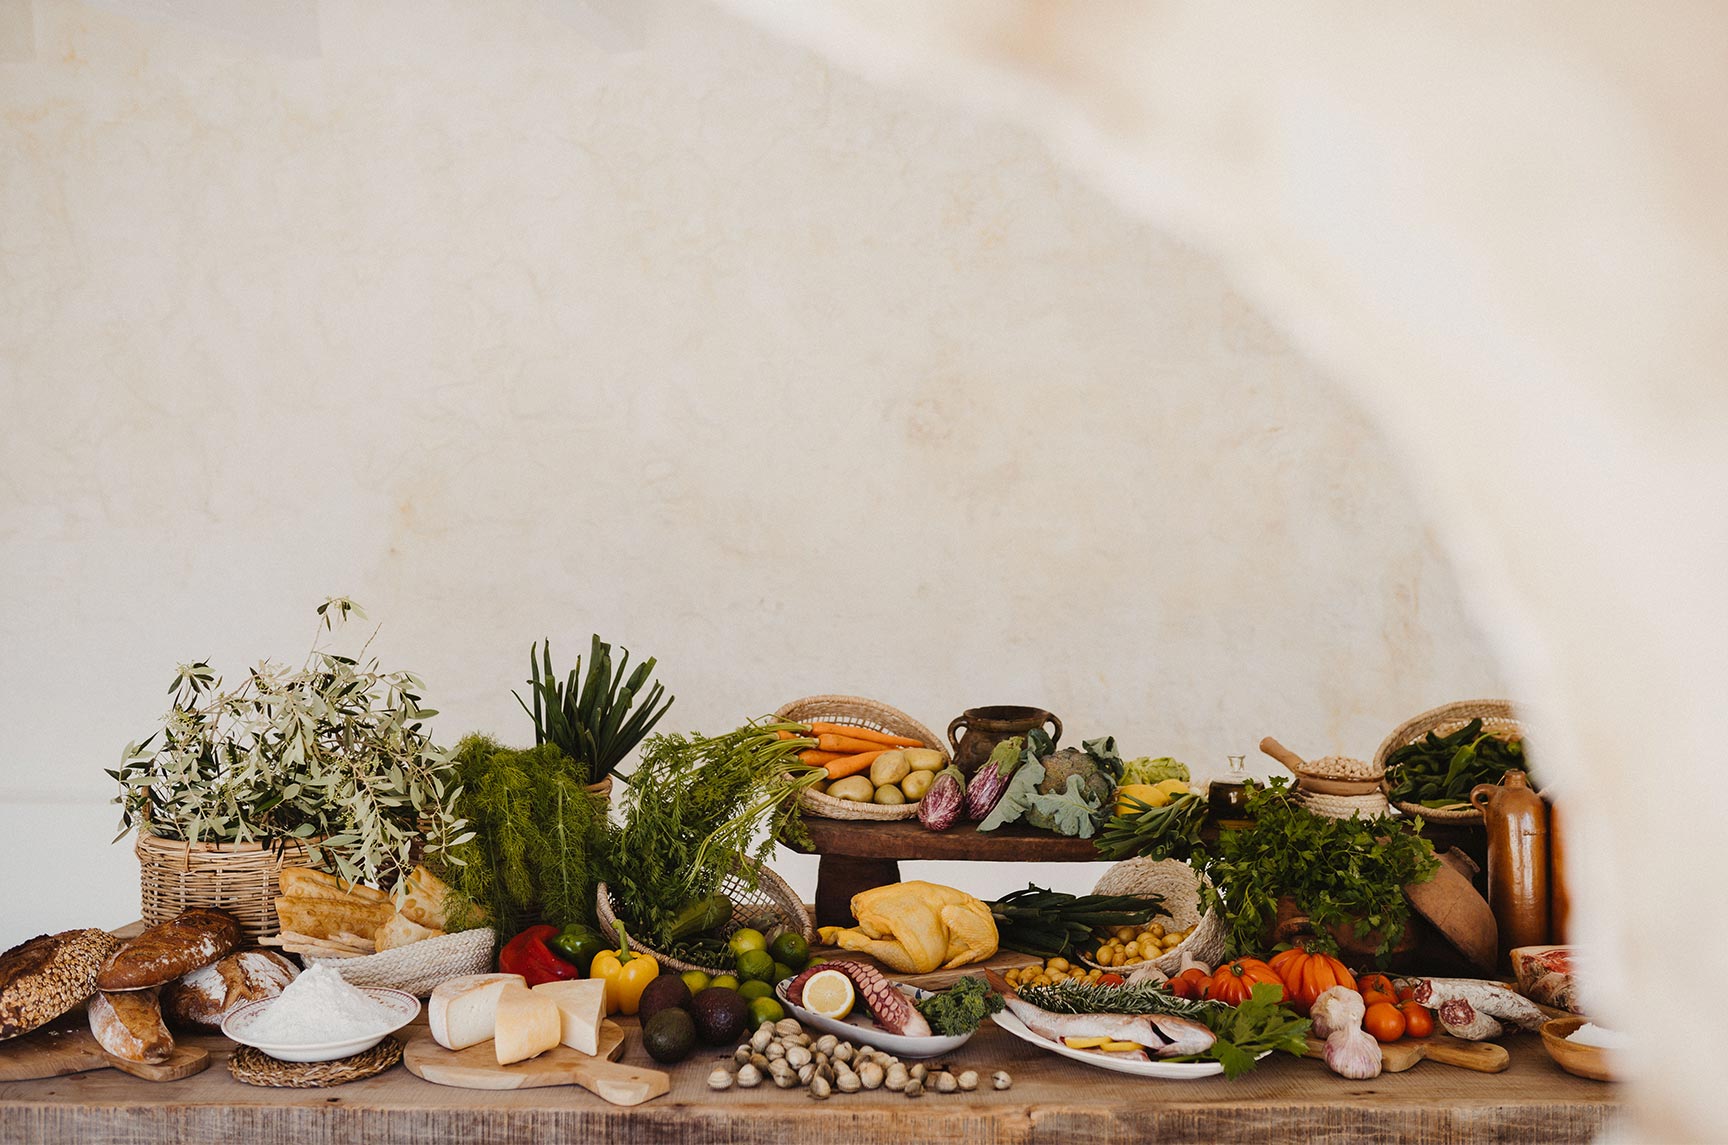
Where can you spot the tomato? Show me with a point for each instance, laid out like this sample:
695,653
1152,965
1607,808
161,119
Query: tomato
1408,994
1307,976
1385,1021
1377,988
1111,979
1233,982
1191,983
1418,1022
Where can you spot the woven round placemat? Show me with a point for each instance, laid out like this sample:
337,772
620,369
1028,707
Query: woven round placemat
255,1067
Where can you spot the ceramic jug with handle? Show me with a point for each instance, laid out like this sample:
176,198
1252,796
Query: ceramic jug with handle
975,733
1517,822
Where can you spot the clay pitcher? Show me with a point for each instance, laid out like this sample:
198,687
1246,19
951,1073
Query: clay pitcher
1559,893
1517,822
975,733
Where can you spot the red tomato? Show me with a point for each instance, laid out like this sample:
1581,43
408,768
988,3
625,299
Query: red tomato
1377,988
1191,983
1111,979
1408,994
1418,1022
1385,1021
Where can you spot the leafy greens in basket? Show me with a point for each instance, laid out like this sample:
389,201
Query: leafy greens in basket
1439,771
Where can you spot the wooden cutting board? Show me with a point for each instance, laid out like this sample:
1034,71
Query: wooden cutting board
61,1048
1398,1056
477,1067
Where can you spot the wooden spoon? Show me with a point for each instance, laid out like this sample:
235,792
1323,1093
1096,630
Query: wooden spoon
1317,784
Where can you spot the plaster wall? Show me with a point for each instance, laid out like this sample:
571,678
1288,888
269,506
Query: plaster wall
511,324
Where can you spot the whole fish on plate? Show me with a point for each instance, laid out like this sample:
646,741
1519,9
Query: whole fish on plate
1166,1035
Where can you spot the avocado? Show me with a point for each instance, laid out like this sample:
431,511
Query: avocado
720,1015
666,991
669,1036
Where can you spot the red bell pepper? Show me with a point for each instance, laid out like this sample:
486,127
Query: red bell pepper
528,955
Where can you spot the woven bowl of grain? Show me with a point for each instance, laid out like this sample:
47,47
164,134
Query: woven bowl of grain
859,712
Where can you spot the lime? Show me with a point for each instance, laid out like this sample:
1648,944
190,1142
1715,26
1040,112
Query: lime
757,965
746,939
752,990
696,980
766,1010
817,961
791,949
781,972
724,981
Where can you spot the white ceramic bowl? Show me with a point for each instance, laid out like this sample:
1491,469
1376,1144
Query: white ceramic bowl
403,1007
857,1027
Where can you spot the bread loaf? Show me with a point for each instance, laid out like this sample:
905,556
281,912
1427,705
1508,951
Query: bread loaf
426,901
169,949
201,999
324,916
129,1025
402,931
304,882
48,975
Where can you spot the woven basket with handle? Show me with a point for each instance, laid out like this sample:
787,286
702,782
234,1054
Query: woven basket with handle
1180,885
240,878
1497,719
856,711
770,895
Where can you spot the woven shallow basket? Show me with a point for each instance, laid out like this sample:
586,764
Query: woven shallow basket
1497,718
418,967
770,895
255,1067
1369,806
1180,885
858,712
241,878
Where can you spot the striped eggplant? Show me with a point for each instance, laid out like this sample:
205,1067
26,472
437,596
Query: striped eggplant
991,780
940,808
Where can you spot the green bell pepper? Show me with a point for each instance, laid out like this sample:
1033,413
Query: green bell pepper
578,943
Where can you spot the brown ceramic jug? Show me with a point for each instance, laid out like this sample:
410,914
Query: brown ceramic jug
1517,822
1559,894
984,728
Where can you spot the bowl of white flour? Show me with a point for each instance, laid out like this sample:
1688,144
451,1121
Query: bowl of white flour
320,1017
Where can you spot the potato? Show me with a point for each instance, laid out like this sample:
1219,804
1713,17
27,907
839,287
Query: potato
923,758
889,767
889,795
857,788
917,783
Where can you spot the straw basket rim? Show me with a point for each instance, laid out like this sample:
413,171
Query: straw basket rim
771,890
860,711
1497,716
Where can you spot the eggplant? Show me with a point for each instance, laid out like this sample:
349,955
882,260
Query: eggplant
940,808
991,780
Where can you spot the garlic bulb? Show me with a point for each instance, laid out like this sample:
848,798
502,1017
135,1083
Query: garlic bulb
1337,1008
1353,1054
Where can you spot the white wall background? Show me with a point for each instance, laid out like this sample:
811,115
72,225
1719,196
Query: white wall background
510,327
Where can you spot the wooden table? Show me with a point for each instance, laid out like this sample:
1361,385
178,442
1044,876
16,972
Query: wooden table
857,855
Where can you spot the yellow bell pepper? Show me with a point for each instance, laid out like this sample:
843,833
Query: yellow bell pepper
626,974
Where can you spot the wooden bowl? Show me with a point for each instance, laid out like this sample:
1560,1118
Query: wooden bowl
1585,1061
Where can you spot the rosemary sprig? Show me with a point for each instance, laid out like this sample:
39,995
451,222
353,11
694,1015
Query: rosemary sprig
1075,997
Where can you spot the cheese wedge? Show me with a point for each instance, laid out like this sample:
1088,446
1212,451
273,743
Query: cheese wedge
528,1024
463,1012
581,1008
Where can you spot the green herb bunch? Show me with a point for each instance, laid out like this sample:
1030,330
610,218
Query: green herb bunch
696,810
960,1008
334,754
1339,871
593,718
530,855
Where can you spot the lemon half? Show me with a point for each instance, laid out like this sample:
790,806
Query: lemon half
830,994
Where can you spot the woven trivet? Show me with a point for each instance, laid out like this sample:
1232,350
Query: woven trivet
255,1067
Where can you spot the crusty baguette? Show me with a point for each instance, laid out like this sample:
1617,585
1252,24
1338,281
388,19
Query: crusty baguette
306,883
426,900
129,1025
48,975
404,931
164,952
322,917
201,999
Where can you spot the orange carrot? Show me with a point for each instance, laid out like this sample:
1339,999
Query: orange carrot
850,732
851,764
814,757
783,734
830,742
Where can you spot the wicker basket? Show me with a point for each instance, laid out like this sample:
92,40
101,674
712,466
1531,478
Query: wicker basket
859,712
1497,719
771,894
418,967
241,878
1180,885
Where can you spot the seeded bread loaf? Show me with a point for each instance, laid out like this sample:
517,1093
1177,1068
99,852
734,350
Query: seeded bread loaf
201,999
48,975
169,949
129,1025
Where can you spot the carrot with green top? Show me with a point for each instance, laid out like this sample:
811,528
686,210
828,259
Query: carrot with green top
850,732
851,764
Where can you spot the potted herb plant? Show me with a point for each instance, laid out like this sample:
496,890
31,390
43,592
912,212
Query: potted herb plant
329,762
589,717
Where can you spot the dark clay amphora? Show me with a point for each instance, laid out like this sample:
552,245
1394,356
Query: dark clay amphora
975,733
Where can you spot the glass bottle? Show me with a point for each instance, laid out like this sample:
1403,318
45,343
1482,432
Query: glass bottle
1227,798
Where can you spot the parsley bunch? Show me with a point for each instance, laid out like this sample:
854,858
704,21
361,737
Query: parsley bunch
1338,871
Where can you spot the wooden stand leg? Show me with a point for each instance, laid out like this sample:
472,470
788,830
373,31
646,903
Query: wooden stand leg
839,877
